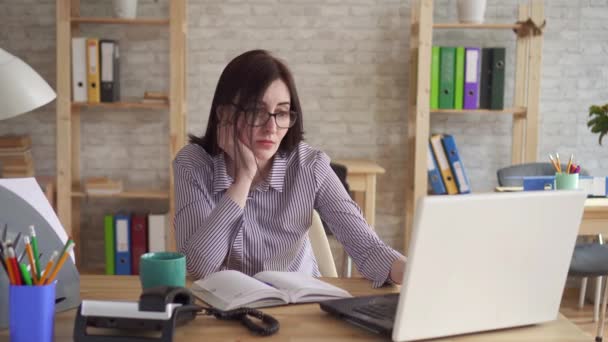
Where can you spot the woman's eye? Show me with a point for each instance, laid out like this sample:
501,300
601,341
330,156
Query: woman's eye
283,114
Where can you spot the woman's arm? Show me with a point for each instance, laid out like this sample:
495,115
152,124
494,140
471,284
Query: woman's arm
374,259
203,232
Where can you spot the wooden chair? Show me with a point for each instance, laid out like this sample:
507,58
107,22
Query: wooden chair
320,247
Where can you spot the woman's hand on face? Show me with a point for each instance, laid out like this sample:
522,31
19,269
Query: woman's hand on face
243,159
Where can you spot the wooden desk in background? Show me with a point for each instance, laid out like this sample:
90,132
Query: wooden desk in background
298,322
595,217
361,179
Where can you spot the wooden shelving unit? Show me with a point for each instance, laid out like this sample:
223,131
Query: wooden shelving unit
69,183
525,110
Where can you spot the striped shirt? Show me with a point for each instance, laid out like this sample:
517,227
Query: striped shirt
270,233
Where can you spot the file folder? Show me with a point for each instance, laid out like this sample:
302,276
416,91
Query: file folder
446,77
458,170
435,180
443,165
471,79
108,228
109,71
122,223
93,70
459,78
139,240
157,224
485,86
79,69
435,77
497,89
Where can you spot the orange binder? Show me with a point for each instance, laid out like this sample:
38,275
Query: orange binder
443,165
93,81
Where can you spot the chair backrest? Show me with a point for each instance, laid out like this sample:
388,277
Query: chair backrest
513,175
320,247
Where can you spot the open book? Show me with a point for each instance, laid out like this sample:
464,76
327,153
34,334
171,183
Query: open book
227,290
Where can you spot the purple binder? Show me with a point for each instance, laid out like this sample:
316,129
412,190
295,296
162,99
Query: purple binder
471,77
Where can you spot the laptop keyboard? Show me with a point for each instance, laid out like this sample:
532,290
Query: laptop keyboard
381,311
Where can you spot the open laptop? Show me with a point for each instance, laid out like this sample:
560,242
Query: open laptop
477,262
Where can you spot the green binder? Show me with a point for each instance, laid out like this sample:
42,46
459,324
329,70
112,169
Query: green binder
497,91
459,78
435,77
108,227
446,77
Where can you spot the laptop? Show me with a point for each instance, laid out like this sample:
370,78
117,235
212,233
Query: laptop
477,262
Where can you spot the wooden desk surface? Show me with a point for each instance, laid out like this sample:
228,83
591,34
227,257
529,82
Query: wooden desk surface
360,166
304,322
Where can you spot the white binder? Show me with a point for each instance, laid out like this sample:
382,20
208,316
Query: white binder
79,70
157,232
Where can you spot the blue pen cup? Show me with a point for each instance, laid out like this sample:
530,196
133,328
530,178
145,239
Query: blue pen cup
32,313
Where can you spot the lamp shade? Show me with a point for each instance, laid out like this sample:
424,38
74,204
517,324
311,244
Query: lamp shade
21,88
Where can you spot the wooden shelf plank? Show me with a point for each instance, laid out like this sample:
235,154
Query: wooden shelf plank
476,26
509,111
120,21
148,194
121,105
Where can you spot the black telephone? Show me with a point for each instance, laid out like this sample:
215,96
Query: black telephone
159,309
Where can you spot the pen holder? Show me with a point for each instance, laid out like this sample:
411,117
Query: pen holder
566,181
32,313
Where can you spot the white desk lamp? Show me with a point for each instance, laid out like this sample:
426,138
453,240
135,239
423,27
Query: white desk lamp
21,88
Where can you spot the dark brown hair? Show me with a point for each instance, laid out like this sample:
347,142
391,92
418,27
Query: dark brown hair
244,82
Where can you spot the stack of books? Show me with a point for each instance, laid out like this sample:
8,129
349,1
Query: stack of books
16,156
102,186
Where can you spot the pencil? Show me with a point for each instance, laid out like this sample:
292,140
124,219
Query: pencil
9,266
12,260
47,269
559,163
35,250
60,263
30,256
553,163
569,163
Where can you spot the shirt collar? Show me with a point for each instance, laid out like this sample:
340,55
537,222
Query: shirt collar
275,179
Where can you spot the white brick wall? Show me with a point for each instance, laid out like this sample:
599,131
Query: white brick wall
350,60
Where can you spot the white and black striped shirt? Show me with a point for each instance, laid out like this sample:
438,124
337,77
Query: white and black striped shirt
270,233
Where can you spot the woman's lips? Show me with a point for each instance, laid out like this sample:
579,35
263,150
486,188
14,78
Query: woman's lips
265,143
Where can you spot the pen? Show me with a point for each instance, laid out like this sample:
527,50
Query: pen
48,267
35,250
30,256
61,261
4,232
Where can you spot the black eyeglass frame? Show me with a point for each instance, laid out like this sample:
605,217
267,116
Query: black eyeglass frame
293,116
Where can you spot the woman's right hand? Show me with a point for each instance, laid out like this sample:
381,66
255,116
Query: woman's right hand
244,162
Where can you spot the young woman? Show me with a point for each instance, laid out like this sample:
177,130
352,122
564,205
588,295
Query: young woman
245,191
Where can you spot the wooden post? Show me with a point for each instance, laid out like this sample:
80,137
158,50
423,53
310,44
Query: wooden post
521,90
177,103
421,41
537,14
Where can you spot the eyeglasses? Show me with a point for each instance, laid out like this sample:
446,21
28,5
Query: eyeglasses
258,117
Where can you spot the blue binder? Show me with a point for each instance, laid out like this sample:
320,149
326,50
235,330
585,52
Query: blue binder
434,176
122,239
462,181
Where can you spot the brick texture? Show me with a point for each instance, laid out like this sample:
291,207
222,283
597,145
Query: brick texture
350,61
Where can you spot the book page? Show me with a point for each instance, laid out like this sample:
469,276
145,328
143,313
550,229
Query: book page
300,287
227,290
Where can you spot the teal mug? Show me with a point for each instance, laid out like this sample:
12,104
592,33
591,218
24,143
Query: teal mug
162,269
566,181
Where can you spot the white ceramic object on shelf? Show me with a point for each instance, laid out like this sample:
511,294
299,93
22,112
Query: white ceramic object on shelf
126,9
471,11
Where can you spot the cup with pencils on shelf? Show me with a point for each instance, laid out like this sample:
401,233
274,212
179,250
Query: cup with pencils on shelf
32,287
565,179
